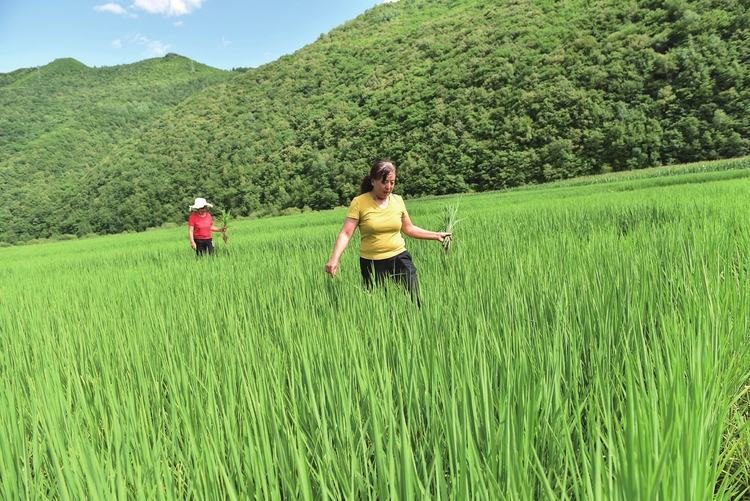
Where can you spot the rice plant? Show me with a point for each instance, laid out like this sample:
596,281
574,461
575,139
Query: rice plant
594,346
226,217
450,221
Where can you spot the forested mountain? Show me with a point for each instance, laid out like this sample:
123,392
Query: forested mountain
59,121
460,94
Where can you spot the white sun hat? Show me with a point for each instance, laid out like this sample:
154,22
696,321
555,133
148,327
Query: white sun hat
199,204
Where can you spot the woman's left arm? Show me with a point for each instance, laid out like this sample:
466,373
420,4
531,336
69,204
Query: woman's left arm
413,231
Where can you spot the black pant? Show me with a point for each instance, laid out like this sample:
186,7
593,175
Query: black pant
400,268
201,246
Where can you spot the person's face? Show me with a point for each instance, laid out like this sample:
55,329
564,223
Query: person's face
384,188
202,211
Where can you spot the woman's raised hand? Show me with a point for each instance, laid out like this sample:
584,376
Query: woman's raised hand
441,236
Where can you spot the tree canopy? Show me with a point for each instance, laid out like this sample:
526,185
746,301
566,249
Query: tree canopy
462,95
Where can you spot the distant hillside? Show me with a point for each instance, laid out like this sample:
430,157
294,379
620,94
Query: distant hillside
59,121
460,94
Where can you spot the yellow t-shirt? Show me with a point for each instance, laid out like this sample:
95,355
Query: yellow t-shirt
379,229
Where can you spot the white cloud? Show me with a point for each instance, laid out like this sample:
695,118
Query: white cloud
225,42
153,47
168,7
178,23
113,8
117,43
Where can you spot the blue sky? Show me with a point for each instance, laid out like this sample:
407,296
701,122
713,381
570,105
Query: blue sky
220,33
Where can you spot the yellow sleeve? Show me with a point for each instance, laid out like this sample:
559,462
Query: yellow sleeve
404,213
354,209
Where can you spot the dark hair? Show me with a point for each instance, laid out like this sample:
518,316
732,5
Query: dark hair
380,171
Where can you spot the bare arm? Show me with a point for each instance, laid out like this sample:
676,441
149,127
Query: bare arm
191,230
341,242
416,232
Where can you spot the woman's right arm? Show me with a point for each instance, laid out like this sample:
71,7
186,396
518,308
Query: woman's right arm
342,241
191,230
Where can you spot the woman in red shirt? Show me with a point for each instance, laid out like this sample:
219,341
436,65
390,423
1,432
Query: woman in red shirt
200,226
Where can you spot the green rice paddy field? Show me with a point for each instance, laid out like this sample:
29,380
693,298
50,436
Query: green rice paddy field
584,342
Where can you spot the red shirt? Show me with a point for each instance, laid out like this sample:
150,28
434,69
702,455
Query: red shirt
202,225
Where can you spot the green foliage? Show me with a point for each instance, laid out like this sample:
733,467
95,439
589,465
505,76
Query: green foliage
586,343
463,95
60,120
450,221
225,218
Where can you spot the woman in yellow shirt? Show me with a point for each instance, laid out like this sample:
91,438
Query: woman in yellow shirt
381,217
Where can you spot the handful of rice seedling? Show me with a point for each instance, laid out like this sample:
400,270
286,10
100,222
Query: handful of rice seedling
226,216
450,221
